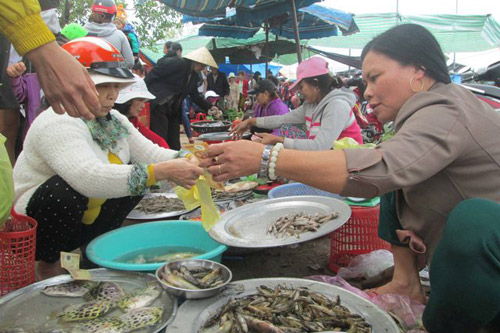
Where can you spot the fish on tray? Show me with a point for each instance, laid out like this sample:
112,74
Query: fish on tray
70,289
99,325
193,277
85,311
142,317
141,259
283,309
139,298
159,204
106,291
298,223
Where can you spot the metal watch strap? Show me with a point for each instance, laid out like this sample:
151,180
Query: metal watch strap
264,161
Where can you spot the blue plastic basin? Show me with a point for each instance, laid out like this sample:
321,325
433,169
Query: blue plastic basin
105,249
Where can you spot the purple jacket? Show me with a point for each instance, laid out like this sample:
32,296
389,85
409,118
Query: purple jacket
275,107
26,88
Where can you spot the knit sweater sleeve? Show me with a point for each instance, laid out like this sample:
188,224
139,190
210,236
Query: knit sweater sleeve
21,23
296,116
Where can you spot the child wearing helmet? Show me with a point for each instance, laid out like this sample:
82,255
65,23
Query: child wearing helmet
80,178
101,24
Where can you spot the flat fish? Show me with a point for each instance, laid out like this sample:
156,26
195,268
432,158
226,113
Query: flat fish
85,311
142,317
69,289
173,256
106,291
139,298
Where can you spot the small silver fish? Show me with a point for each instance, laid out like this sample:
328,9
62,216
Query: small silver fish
106,291
99,325
85,311
70,289
142,317
139,298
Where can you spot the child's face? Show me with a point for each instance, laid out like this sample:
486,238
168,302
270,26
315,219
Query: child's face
108,93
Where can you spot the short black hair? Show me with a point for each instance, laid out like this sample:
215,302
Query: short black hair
123,108
176,47
168,44
138,67
411,44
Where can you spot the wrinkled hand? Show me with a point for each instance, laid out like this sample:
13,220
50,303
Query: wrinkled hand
268,139
15,70
65,82
230,160
242,127
182,171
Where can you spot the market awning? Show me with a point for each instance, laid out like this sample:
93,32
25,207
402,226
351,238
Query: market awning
455,33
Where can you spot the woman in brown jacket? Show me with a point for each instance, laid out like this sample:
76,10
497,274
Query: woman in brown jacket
446,150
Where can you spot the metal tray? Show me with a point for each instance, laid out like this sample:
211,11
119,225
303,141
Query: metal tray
215,136
193,314
246,226
30,309
139,215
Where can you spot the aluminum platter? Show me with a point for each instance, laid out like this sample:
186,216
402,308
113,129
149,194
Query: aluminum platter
246,226
29,309
221,136
140,215
193,314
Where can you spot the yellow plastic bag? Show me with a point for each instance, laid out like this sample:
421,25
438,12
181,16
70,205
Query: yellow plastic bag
200,194
6,183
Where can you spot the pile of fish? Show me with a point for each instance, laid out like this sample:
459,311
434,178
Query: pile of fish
194,278
298,223
210,124
100,298
159,204
223,195
286,310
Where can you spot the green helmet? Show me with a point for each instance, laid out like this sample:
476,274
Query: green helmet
73,31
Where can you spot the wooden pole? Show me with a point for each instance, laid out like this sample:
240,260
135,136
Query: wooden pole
296,30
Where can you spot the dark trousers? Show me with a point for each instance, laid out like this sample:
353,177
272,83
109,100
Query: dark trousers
465,268
59,209
165,121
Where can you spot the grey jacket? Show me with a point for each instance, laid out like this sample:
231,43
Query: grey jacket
109,32
333,112
446,149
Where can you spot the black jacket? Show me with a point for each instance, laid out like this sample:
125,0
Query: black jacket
170,78
220,86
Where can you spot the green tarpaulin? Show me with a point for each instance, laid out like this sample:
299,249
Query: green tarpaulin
455,33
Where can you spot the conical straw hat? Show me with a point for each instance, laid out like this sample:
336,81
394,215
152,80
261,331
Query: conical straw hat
203,56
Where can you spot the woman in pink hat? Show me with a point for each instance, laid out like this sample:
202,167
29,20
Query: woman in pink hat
326,111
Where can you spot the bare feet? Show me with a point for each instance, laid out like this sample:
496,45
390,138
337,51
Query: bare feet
414,292
45,270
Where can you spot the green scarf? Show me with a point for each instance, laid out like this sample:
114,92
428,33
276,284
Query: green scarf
106,131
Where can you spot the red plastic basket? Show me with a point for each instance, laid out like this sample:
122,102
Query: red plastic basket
358,236
17,253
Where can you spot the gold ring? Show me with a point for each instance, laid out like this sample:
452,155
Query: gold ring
220,171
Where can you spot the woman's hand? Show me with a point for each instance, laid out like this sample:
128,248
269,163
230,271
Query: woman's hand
230,160
269,139
181,171
242,127
15,70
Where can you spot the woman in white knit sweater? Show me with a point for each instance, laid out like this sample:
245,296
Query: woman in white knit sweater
80,178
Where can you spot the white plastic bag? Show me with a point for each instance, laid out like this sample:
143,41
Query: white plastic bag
367,265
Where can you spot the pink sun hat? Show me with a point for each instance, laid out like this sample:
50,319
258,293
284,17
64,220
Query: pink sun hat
311,67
